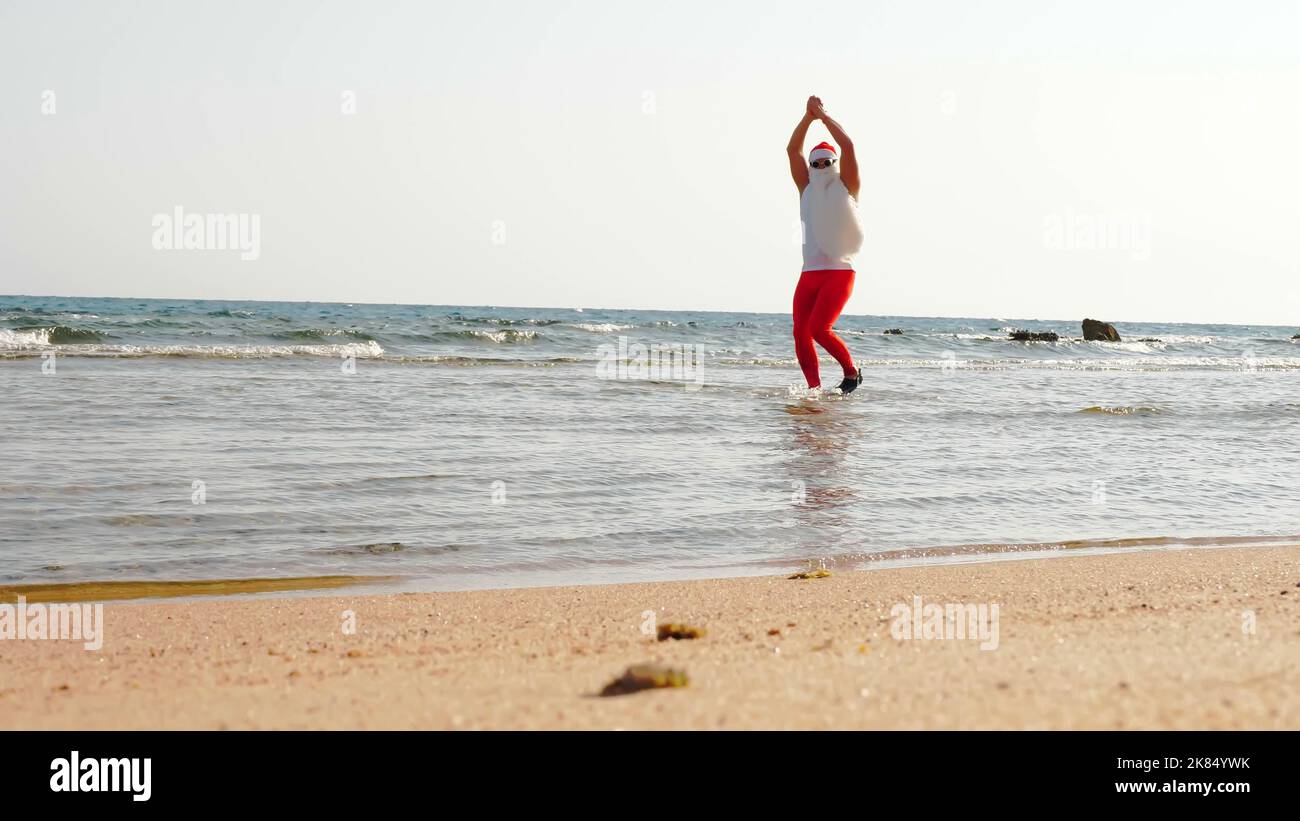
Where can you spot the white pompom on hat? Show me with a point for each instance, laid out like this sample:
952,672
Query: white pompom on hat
823,151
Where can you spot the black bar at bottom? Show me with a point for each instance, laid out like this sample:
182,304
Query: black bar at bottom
656,771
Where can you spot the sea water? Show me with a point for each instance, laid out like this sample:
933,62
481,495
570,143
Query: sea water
458,447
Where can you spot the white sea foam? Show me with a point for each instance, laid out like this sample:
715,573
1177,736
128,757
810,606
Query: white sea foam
1134,363
32,346
599,327
499,337
35,339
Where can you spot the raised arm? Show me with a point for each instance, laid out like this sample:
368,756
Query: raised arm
799,165
848,159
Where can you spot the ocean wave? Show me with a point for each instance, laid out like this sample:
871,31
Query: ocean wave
1136,363
475,361
35,338
361,350
233,313
1179,339
34,342
599,327
23,340
150,322
67,335
1168,363
1136,344
40,315
1133,345
322,333
507,336
760,361
27,321
501,321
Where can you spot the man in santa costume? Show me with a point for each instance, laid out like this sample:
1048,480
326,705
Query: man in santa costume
832,236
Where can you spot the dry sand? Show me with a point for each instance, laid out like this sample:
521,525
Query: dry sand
1134,640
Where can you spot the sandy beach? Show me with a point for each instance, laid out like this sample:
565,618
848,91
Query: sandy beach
1201,638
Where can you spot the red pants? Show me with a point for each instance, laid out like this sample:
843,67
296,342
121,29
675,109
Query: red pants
818,300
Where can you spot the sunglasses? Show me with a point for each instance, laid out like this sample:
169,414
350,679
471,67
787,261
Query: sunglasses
822,163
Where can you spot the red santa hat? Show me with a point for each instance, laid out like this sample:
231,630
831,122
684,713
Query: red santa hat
822,151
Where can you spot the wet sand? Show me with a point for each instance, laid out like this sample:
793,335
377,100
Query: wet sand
1199,638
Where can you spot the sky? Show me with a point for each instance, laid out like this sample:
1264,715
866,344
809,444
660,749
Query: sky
1037,159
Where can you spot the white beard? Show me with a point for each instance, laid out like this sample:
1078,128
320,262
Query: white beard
833,223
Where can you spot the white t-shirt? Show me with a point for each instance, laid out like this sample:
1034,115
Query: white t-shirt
814,258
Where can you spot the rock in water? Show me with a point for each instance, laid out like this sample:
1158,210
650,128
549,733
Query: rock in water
893,331
1094,330
1035,336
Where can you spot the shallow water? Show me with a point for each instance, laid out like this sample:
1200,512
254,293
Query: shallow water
476,447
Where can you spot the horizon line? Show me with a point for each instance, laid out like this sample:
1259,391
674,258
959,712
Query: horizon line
581,309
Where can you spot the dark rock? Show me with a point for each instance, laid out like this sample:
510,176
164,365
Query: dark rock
894,331
1094,330
1297,336
679,631
645,677
1035,336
